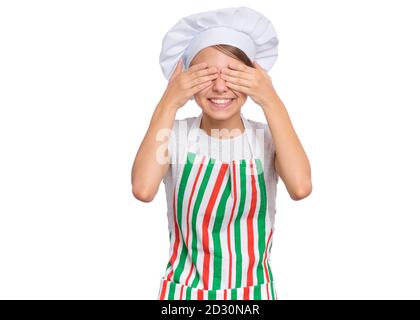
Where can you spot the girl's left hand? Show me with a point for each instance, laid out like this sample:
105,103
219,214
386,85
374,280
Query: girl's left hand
255,83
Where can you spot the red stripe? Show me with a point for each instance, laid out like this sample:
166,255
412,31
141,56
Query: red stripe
228,228
163,291
265,256
206,221
189,274
225,294
246,293
188,214
182,291
191,196
250,228
199,294
268,291
265,262
176,243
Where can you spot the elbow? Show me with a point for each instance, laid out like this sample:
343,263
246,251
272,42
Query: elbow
302,191
143,194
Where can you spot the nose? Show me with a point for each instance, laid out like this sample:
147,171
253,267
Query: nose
219,85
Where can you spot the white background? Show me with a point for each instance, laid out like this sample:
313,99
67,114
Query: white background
79,81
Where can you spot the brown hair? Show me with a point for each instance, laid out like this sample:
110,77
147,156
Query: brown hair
234,52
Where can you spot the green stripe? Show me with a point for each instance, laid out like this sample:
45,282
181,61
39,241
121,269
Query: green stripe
272,292
257,292
184,179
271,274
171,295
211,295
196,207
188,293
237,229
169,262
261,222
196,279
234,294
217,247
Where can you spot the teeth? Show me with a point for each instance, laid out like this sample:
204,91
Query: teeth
220,101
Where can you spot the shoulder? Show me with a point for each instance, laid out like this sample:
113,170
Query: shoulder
179,132
263,135
269,149
262,129
183,123
258,124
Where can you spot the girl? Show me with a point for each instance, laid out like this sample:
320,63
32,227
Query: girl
221,200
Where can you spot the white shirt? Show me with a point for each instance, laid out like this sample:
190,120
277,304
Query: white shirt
224,150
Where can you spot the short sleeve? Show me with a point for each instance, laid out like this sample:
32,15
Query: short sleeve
271,176
270,152
177,144
171,150
167,176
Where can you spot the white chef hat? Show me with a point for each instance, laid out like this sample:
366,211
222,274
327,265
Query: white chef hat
241,27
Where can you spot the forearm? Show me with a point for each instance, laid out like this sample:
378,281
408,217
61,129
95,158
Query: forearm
291,161
148,167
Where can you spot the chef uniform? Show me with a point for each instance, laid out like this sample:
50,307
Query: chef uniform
220,225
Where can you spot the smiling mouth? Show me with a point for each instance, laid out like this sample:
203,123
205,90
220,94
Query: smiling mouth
221,103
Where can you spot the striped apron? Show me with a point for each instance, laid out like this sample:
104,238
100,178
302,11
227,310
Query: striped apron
220,231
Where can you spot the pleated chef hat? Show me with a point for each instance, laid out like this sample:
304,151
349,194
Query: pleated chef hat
241,27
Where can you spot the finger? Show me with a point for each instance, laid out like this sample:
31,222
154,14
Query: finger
239,88
239,67
258,66
202,79
199,87
197,67
204,72
237,74
178,69
238,81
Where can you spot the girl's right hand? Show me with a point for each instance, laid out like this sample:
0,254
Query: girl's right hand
184,84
